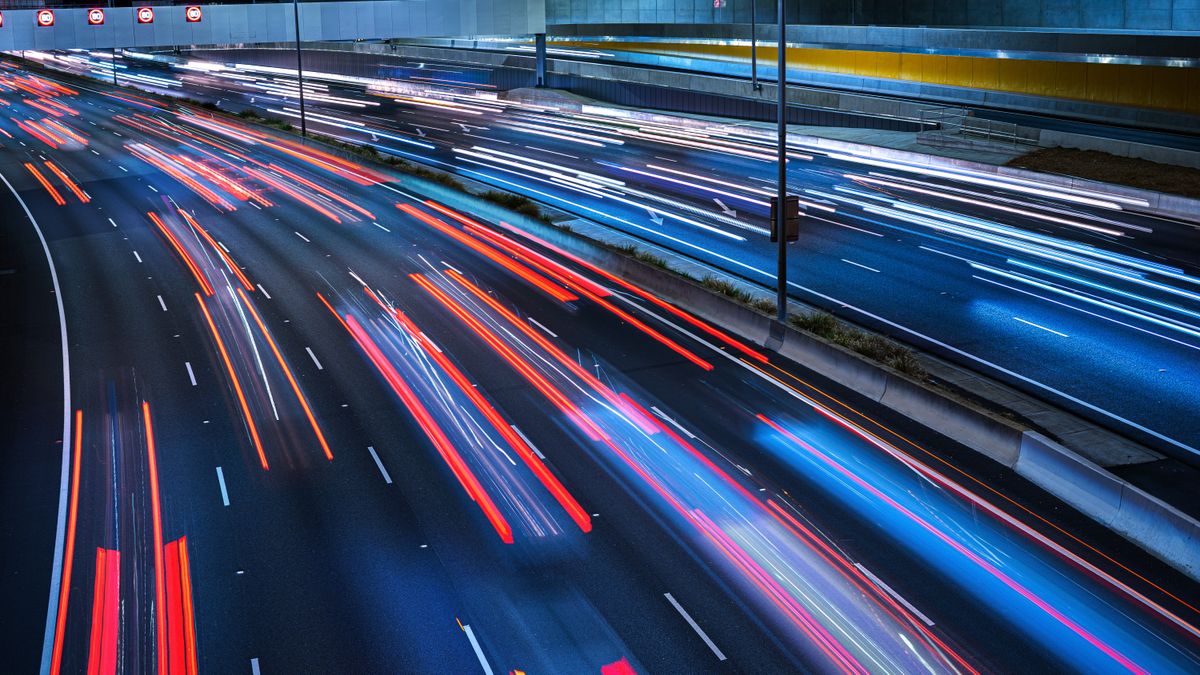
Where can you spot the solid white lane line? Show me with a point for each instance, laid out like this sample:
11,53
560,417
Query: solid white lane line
314,358
851,262
696,627
478,650
539,325
528,442
1048,330
61,525
161,303
301,236
386,478
224,492
899,598
264,292
191,375
139,258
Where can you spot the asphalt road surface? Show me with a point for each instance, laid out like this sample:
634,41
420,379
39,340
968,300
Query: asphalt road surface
321,422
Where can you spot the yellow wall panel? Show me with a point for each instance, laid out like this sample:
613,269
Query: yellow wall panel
887,64
959,72
910,67
1011,75
1151,86
1169,88
1101,83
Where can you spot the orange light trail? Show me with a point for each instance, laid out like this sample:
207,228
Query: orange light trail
58,199
44,108
106,608
645,295
237,385
293,193
220,251
541,282
435,434
69,555
62,175
634,415
66,131
191,183
549,480
508,354
189,614
187,259
288,372
160,615
42,134
325,191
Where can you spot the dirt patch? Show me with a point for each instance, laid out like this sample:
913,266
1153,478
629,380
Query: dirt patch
1102,166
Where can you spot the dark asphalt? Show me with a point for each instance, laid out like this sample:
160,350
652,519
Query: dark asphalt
323,566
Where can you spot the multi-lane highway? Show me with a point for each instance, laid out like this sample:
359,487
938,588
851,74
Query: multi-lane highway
317,421
1071,295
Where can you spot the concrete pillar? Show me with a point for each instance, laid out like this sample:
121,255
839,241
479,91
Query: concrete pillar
539,40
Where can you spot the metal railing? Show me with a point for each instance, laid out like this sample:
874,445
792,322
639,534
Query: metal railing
957,126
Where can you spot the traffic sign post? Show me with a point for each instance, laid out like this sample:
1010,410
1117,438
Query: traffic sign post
791,218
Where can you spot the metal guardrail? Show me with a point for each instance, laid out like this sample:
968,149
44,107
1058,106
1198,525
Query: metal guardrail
957,126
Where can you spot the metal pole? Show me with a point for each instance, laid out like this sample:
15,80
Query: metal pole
780,210
754,46
540,58
114,53
299,69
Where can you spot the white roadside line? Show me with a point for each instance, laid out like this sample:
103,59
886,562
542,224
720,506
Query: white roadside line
528,442
314,358
60,533
161,303
695,626
478,650
191,375
386,478
224,492
1035,325
899,598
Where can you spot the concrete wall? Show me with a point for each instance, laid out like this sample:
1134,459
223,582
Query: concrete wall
1181,15
273,22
